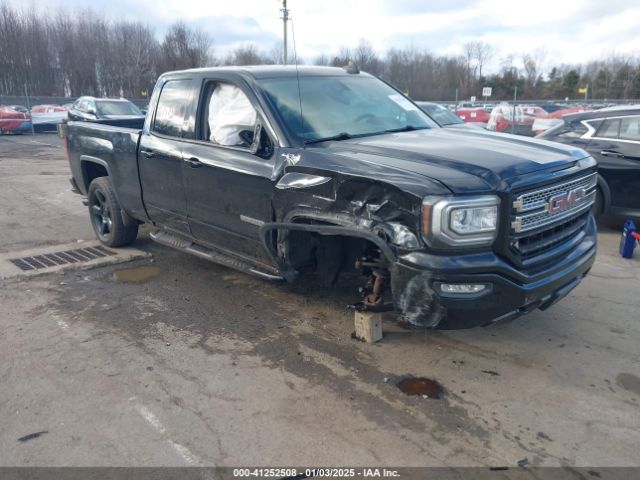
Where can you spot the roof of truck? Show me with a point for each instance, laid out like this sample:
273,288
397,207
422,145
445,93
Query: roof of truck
272,71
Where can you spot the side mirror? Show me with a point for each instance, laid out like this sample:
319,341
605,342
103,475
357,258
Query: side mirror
255,144
91,111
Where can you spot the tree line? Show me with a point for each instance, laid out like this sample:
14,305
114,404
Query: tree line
82,53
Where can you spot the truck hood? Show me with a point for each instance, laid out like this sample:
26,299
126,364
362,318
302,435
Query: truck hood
465,160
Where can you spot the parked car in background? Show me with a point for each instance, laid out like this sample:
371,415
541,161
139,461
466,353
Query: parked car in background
444,116
518,120
551,107
542,124
45,118
612,137
19,108
13,121
474,115
110,111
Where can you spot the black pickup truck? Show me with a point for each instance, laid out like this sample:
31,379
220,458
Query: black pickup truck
282,172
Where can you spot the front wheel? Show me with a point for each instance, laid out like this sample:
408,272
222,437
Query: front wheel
106,215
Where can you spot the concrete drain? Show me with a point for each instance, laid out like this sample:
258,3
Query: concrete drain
56,258
66,257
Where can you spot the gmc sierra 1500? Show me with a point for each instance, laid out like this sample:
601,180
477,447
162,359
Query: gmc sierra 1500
280,172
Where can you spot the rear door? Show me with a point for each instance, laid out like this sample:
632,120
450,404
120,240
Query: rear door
229,188
616,146
160,157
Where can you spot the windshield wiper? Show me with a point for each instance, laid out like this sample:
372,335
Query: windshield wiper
347,136
406,128
339,136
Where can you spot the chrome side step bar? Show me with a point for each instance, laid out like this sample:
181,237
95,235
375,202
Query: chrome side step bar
187,246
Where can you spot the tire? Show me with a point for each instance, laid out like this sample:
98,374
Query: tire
106,215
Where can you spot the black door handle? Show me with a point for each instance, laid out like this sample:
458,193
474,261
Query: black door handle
611,153
193,162
147,153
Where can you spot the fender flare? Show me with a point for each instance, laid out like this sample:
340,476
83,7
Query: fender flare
84,159
126,218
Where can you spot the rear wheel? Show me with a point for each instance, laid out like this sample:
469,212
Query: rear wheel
106,215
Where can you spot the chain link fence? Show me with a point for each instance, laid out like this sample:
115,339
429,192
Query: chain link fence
35,100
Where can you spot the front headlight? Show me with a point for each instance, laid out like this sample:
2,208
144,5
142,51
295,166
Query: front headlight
460,221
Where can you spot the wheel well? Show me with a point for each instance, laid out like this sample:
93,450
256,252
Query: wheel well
91,171
326,255
605,194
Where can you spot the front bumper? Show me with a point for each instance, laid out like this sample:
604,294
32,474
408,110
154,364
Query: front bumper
511,293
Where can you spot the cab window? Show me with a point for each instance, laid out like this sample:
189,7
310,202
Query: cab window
228,117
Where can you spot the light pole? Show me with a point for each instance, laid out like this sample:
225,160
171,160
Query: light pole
285,19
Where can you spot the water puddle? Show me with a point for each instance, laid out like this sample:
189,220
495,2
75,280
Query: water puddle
421,386
629,382
135,275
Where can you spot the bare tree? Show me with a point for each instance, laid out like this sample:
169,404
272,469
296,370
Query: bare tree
276,54
483,53
183,47
248,54
366,58
322,59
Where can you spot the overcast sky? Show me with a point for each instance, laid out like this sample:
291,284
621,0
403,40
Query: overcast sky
567,31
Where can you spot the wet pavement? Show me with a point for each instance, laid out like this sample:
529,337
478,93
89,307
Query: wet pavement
177,361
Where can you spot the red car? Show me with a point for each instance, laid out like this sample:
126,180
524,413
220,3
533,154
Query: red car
12,121
474,115
518,119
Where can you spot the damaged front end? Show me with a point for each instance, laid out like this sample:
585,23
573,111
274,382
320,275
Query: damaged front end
334,224
436,253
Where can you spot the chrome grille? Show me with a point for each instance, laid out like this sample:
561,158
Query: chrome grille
538,198
549,205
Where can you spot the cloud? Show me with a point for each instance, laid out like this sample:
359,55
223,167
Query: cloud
573,30
229,31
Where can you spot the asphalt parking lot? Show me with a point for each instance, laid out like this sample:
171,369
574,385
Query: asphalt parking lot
183,362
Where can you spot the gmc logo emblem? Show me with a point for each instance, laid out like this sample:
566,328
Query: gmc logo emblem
566,200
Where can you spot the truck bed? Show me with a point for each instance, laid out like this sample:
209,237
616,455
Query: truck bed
92,145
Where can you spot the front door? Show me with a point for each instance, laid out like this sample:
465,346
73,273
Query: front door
616,146
228,188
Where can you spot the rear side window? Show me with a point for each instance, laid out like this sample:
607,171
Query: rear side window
630,128
578,129
609,128
571,130
174,100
